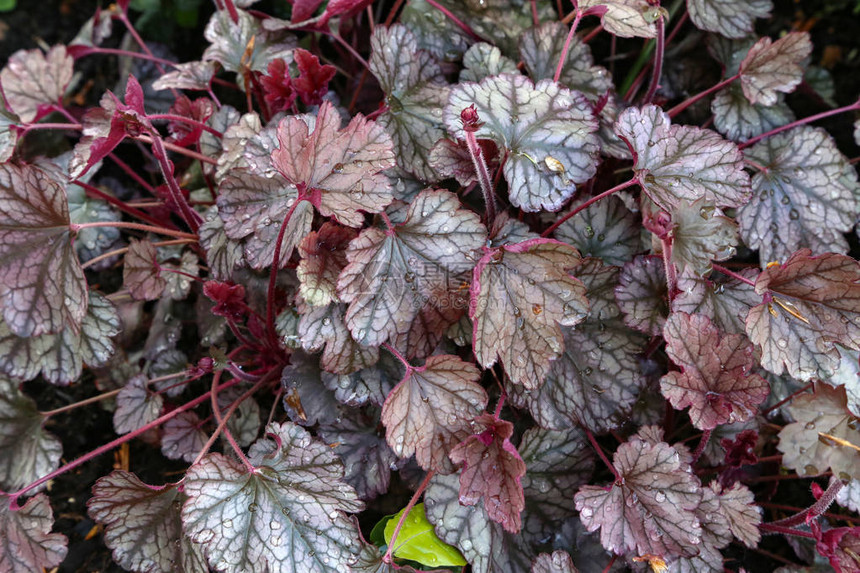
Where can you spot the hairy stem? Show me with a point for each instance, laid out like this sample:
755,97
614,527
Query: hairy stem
853,107
180,150
702,94
483,176
732,274
136,226
566,48
110,445
671,271
398,355
87,402
816,509
121,205
273,275
658,61
788,398
418,492
191,217
706,436
585,205
222,422
188,120
602,455
460,24
124,250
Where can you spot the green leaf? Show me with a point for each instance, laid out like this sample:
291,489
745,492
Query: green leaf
7,5
418,541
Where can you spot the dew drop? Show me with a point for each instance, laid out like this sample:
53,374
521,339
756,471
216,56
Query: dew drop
275,525
659,497
253,507
793,215
589,232
228,523
205,536
338,168
782,343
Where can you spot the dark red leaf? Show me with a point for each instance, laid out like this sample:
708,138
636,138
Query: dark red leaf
492,470
229,299
278,87
312,83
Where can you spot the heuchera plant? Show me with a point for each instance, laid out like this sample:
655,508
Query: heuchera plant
435,256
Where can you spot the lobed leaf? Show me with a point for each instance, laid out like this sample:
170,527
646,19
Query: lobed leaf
230,41
392,276
323,255
641,294
284,516
182,437
731,18
651,509
606,230
33,81
357,439
540,126
27,451
625,18
542,47
140,271
557,562
809,303
492,471
700,235
484,543
142,525
42,285
26,543
772,67
807,195
824,435
717,379
432,409
136,406
415,92
675,162
482,60
324,328
724,300
338,170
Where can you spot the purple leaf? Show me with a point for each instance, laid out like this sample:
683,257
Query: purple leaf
809,302
848,375
182,437
824,435
606,230
641,294
229,42
731,18
367,458
194,75
339,170
253,207
42,285
27,451
557,562
625,18
323,255
482,60
26,543
701,234
724,300
179,274
806,195
651,510
142,525
557,462
136,406
392,275
492,471
286,516
547,131
772,67
368,385
33,81
313,79
483,542
370,561
323,328
717,381
141,274
520,295
306,400
432,409
677,162
541,48
737,506
415,92
60,357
